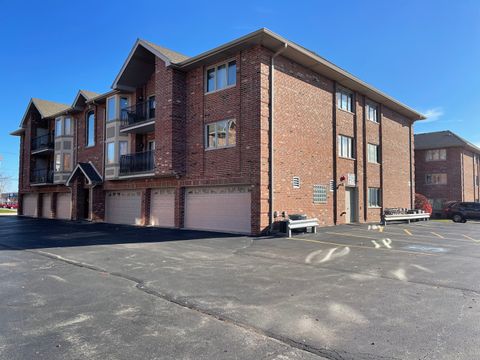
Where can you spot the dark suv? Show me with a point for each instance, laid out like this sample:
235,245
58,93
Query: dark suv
463,211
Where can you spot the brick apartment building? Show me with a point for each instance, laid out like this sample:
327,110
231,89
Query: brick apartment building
230,140
447,168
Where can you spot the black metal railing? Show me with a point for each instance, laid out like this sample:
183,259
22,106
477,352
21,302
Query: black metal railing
138,113
136,163
41,176
44,142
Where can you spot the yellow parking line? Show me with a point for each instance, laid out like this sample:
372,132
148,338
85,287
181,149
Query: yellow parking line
361,247
412,241
469,238
440,236
408,232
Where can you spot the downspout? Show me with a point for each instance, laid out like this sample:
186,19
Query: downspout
412,195
270,136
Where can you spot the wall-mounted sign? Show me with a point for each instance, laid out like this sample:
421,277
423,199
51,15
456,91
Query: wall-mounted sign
351,180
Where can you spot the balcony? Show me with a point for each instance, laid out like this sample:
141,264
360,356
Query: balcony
141,163
41,177
43,144
139,118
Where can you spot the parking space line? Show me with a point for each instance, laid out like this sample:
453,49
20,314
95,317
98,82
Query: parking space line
440,236
389,232
413,241
470,238
360,246
407,232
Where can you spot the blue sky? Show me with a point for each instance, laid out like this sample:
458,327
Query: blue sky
425,53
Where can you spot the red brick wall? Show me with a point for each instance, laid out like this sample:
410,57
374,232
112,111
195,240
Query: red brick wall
94,153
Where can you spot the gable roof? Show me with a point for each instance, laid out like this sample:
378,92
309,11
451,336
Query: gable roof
46,108
89,171
173,56
86,95
442,139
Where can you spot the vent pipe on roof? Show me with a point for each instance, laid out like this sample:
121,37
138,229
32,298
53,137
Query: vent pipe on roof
271,137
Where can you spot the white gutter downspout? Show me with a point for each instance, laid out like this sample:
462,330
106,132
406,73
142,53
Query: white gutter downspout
271,137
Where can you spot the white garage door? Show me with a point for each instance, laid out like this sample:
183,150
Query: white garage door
123,207
218,209
30,205
64,206
162,207
47,206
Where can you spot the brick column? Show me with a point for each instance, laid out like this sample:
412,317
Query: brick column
53,205
145,211
179,207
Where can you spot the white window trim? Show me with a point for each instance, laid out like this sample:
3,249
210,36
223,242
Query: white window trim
377,108
215,67
435,160
434,183
348,92
114,154
377,154
352,147
59,120
216,136
107,108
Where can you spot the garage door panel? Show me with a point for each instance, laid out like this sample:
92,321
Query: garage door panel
123,207
64,206
162,207
29,205
47,206
219,209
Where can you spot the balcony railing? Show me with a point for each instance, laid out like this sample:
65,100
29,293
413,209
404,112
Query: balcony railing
140,112
137,163
44,142
41,176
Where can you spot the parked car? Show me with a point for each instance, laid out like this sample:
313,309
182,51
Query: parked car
462,211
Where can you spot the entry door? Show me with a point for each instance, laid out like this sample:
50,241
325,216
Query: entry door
350,205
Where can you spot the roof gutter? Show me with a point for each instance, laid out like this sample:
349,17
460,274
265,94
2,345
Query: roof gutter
271,138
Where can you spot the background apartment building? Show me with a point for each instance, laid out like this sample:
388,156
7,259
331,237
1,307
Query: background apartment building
233,139
447,168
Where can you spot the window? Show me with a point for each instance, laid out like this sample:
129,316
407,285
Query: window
319,194
220,134
296,182
372,114
67,162
58,160
221,76
373,154
111,110
67,126
374,197
90,130
345,147
437,204
435,179
344,99
436,155
122,148
58,127
110,153
151,145
151,107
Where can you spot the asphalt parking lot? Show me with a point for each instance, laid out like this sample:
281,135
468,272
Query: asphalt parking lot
97,291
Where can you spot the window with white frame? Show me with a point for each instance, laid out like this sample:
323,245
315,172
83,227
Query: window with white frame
58,127
345,146
122,148
372,112
319,194
373,153
220,134
110,153
374,197
111,108
436,155
67,126
151,107
344,99
221,76
436,179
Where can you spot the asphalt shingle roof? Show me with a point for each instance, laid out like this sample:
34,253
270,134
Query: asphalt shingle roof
173,56
48,108
442,139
